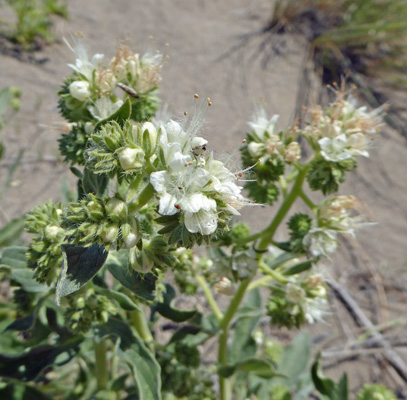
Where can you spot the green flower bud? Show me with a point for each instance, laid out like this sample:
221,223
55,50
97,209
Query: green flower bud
95,210
53,232
139,261
131,158
117,209
131,238
109,233
149,133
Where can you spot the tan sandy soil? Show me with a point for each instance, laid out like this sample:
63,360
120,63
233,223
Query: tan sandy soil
194,34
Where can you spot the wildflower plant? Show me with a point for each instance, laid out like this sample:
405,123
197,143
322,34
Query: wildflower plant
91,293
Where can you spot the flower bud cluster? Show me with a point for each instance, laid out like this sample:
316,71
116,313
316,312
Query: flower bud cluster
187,266
116,150
101,220
44,254
86,308
375,391
191,185
298,301
267,151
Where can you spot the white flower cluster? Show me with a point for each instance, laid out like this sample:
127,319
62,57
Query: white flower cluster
343,131
339,214
198,186
309,297
94,80
267,141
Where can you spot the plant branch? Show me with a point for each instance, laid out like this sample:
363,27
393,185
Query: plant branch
209,297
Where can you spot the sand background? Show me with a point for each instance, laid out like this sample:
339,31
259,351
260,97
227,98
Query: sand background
197,35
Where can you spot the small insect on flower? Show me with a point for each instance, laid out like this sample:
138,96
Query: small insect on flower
131,92
198,150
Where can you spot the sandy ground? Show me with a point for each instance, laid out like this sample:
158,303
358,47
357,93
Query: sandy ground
195,34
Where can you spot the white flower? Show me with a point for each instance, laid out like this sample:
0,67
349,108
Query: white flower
261,124
335,149
340,213
358,143
82,64
192,185
80,90
104,108
315,309
320,242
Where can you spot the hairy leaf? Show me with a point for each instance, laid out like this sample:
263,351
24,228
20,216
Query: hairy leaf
80,265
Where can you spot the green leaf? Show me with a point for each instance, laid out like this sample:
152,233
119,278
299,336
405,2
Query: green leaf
142,363
326,386
298,268
93,183
169,312
12,231
255,365
22,324
28,366
294,360
142,286
248,317
120,116
79,266
15,259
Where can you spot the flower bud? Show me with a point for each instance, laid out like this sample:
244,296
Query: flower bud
224,286
256,149
117,209
293,152
131,158
79,90
295,294
52,232
152,137
139,261
109,234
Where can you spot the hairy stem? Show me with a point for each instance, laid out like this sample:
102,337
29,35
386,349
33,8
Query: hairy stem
268,233
140,323
143,198
225,384
209,297
101,371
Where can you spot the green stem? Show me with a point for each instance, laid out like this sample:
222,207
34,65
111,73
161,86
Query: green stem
272,273
143,198
141,325
102,374
308,202
296,189
283,184
225,384
209,297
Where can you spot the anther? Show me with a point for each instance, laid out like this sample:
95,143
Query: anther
185,113
244,141
209,102
196,95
